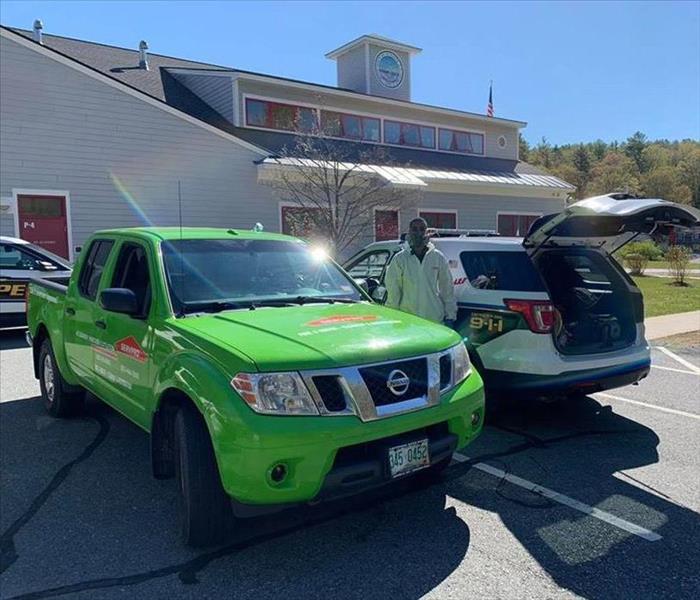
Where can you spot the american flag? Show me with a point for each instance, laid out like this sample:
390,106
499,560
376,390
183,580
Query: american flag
489,108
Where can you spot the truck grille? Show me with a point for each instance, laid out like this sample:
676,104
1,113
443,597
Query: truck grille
331,392
377,377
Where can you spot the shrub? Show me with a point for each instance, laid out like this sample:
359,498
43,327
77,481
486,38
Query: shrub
636,263
678,258
647,249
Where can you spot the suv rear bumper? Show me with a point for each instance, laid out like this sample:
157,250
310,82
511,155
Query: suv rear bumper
585,381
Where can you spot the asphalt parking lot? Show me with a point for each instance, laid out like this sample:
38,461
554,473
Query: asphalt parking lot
596,498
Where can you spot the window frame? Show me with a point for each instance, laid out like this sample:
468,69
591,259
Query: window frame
296,107
513,213
401,125
362,119
466,131
81,284
366,256
440,211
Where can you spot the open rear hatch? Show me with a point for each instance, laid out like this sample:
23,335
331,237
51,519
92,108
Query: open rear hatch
607,222
597,305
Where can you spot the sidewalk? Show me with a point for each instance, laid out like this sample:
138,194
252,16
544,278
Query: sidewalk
665,325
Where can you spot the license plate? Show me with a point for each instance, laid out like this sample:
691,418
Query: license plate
408,457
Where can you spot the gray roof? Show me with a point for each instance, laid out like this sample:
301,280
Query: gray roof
122,64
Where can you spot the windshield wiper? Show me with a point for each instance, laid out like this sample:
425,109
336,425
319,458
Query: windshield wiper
324,299
221,305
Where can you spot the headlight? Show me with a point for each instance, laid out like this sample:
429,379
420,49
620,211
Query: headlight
275,393
460,363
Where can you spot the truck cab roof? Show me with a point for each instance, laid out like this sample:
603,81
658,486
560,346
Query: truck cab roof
193,233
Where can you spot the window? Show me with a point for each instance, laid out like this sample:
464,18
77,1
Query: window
515,225
461,141
511,271
93,266
301,222
386,225
440,220
369,265
353,127
409,134
203,273
131,272
275,115
12,258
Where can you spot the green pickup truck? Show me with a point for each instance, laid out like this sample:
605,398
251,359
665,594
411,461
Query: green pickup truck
264,374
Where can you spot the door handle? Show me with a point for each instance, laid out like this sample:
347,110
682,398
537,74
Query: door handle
70,311
101,324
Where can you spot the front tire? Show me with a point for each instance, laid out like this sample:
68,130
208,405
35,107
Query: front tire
58,401
205,508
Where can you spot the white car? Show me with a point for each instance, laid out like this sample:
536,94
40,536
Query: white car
551,314
21,261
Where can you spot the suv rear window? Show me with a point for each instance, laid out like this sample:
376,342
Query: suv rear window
501,271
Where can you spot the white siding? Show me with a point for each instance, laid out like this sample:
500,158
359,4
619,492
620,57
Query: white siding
119,157
215,90
351,70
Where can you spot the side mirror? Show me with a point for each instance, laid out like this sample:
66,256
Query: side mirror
119,300
379,294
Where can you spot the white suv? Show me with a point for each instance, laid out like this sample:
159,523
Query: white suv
551,314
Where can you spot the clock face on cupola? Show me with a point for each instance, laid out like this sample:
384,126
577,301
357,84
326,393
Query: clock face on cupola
389,69
375,65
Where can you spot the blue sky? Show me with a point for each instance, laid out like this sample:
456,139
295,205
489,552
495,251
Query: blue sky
575,71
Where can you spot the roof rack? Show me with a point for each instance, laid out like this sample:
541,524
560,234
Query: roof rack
437,232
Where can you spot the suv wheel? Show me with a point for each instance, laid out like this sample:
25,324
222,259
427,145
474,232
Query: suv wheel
57,400
205,508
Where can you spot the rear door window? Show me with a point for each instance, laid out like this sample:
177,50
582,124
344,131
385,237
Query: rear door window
370,265
511,271
93,266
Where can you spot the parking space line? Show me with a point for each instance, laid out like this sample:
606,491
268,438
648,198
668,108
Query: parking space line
673,411
674,370
643,533
679,359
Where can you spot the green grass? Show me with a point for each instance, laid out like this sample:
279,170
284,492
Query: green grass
662,264
663,298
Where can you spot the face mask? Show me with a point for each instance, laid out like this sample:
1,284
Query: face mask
416,239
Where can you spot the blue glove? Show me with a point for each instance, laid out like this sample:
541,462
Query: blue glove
451,323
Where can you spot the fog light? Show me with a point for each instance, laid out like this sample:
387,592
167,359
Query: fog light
278,473
476,417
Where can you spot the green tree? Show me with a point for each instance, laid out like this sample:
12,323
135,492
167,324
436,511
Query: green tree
634,148
598,149
689,169
615,173
524,148
664,183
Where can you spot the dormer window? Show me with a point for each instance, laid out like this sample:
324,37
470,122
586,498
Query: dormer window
409,134
461,141
275,115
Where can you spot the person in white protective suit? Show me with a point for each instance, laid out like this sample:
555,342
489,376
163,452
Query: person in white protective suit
418,279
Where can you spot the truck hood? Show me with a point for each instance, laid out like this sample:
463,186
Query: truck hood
607,222
317,336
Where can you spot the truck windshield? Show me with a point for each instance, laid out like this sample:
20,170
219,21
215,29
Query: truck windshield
212,275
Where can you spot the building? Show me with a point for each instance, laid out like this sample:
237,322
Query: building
96,136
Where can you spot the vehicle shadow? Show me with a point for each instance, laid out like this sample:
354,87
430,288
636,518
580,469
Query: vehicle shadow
82,503
11,339
584,450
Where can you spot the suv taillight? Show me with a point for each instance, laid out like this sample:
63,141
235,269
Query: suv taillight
540,315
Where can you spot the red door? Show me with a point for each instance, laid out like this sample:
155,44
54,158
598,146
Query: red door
43,221
386,225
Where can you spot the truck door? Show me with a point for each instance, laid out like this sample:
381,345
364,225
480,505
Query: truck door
80,333
124,367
